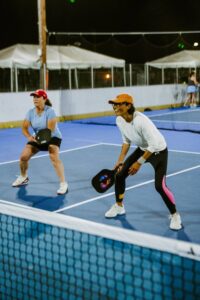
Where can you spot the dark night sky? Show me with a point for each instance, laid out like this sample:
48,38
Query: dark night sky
18,20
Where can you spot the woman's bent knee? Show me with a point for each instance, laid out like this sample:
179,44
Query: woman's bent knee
158,187
119,177
24,158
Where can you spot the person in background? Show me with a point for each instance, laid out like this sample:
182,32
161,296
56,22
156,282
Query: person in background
192,88
40,117
138,129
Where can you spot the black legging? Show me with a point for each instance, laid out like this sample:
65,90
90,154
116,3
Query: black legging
159,162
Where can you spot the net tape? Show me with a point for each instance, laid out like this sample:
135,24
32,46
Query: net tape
45,255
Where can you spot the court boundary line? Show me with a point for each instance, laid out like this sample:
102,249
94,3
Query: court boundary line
88,146
171,113
44,155
127,189
170,150
174,121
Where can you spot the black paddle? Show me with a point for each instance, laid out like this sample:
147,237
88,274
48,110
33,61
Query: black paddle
103,180
43,136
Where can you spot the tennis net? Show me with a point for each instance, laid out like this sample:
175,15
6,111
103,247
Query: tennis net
177,119
45,255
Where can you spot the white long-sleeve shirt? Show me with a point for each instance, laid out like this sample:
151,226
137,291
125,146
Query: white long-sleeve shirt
141,132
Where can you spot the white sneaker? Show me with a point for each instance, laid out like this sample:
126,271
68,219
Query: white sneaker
63,189
175,223
21,180
114,211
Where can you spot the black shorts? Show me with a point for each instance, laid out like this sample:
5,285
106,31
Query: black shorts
44,147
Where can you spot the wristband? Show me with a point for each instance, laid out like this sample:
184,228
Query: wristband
141,160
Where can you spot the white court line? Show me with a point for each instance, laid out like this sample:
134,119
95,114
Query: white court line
85,147
129,188
43,155
174,121
15,204
170,150
185,152
172,113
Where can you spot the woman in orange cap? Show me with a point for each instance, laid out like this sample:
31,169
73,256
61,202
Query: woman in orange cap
138,129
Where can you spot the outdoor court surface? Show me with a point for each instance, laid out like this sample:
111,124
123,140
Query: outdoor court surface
85,150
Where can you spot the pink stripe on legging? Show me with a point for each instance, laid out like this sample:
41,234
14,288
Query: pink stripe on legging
167,191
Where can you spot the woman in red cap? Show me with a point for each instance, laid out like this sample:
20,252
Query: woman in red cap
138,129
40,117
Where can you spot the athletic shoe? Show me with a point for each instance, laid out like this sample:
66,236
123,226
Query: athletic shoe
63,189
114,211
21,180
175,223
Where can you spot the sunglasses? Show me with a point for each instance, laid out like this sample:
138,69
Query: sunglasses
119,104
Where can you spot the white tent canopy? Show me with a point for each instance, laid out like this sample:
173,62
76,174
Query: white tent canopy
66,57
182,59
24,56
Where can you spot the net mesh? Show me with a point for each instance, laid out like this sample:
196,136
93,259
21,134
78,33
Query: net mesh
180,119
42,260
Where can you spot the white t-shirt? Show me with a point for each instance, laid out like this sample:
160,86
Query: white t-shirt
141,132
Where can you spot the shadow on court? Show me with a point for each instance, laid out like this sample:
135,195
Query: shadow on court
42,202
179,235
124,222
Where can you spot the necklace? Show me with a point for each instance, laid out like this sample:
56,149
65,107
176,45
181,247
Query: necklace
39,112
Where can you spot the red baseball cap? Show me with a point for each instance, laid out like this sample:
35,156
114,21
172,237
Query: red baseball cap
122,98
40,93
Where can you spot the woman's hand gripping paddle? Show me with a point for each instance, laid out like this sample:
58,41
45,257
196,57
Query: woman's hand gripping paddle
43,136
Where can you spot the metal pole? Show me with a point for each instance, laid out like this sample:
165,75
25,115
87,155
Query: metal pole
76,77
70,78
130,74
92,77
176,75
125,33
162,70
16,79
11,78
42,40
124,72
112,76
147,74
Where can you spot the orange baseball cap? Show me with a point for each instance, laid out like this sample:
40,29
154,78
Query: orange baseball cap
122,98
40,93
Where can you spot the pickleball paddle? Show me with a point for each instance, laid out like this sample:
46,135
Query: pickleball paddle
103,180
43,136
